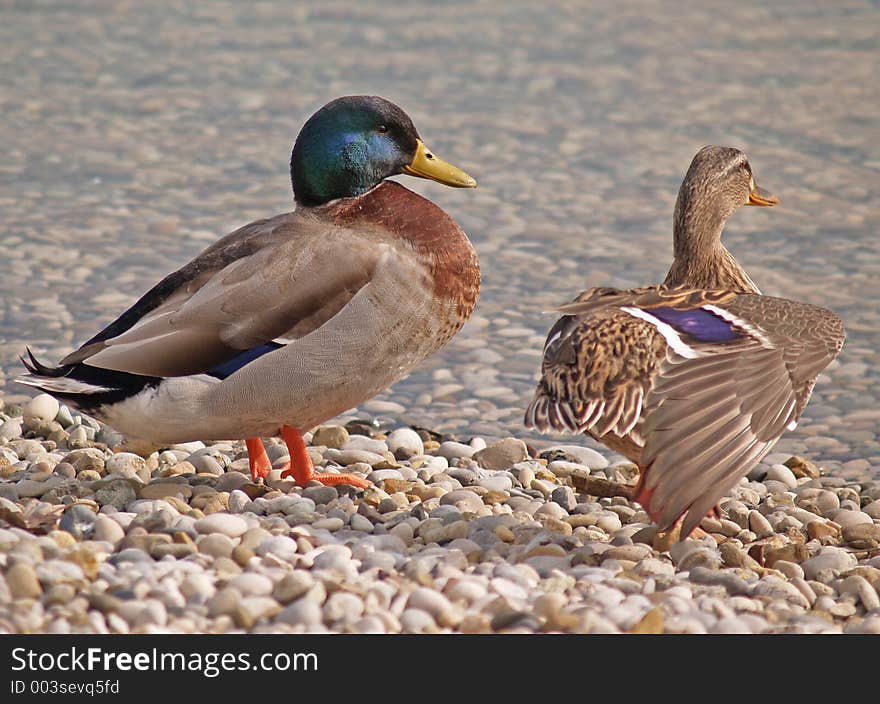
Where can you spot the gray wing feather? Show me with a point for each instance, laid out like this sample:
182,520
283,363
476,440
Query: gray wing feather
295,276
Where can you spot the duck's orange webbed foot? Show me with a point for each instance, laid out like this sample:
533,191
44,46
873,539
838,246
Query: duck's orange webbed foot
301,468
257,458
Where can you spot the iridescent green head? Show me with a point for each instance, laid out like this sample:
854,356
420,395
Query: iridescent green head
353,143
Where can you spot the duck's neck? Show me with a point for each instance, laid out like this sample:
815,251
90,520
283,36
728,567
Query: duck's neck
700,260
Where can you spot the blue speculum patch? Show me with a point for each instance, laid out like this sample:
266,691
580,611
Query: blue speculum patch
221,371
697,322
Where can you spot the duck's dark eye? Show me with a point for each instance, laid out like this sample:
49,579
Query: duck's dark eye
382,129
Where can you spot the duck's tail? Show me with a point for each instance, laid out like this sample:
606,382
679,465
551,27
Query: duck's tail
81,385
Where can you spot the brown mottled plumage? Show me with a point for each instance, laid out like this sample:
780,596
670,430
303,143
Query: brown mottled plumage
695,380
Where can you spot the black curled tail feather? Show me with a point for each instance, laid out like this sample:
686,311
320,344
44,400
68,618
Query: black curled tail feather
84,386
37,368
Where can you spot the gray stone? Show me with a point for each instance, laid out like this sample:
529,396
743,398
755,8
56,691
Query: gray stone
78,520
302,612
117,492
781,473
205,464
238,501
466,501
576,453
455,450
10,429
497,482
417,621
365,444
502,454
829,558
564,496
361,523
733,583
321,494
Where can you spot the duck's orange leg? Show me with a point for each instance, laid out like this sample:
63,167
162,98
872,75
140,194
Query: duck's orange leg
302,469
257,458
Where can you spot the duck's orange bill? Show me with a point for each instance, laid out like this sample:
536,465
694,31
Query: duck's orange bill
758,196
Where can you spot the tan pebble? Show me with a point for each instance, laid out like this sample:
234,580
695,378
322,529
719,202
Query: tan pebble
392,485
801,467
226,568
178,469
504,533
490,498
734,556
59,594
474,622
759,525
179,504
793,552
651,623
556,525
551,550
161,490
62,538
424,493
819,529
791,570
23,582
242,555
214,505
176,550
872,574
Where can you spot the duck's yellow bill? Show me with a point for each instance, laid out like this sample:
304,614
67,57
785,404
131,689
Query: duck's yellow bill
758,196
426,165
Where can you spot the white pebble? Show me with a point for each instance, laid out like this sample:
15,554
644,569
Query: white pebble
43,408
225,523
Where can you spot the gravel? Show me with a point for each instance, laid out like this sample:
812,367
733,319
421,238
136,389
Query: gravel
466,548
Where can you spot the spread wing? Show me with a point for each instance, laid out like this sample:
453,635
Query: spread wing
712,416
714,377
274,280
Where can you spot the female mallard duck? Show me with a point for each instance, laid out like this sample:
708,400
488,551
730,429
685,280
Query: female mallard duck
694,380
291,320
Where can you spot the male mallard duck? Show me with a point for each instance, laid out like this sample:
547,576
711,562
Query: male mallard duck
289,321
694,380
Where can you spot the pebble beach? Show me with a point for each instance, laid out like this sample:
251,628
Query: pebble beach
454,536
135,136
